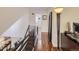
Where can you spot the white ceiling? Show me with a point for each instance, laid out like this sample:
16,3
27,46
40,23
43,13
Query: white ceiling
40,9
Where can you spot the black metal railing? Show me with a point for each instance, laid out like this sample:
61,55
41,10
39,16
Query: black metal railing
27,44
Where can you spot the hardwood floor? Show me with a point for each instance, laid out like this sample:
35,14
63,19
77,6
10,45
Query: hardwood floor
43,44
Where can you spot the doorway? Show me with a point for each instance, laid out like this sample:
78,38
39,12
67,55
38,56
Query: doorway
50,27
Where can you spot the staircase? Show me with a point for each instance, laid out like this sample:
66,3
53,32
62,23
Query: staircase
27,44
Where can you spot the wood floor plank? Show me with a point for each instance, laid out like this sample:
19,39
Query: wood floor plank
43,44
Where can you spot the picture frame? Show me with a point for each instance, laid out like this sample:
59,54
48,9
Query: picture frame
44,17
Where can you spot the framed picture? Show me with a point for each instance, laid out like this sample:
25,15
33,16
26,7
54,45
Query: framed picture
44,17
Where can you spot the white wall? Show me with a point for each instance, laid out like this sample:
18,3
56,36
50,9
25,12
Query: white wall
19,28
41,11
54,29
8,15
69,15
31,18
44,25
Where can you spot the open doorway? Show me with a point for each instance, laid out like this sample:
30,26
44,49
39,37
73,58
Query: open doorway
50,27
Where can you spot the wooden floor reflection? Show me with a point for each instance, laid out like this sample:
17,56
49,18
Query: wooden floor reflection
43,44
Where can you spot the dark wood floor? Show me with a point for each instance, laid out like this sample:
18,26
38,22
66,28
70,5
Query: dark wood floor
43,44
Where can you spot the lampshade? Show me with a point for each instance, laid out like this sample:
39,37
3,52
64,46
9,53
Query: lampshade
58,9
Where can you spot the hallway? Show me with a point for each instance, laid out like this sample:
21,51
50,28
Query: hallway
43,44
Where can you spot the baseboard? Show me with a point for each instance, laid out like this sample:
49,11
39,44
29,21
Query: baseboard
56,49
